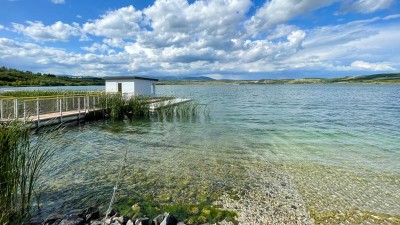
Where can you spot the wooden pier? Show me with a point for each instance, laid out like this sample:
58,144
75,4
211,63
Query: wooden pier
48,110
51,110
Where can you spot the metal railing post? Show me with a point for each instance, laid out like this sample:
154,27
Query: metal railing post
88,103
84,103
38,112
79,108
61,110
66,103
15,108
1,109
57,104
24,111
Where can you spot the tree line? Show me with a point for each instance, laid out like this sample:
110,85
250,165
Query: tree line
14,77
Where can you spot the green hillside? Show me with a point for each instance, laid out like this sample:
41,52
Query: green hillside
13,77
393,78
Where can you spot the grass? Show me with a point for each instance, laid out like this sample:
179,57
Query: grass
22,158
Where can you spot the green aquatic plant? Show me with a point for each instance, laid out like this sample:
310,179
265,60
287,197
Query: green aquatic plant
186,110
117,106
22,158
190,213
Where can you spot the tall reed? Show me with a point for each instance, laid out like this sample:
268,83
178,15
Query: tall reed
22,158
118,106
187,110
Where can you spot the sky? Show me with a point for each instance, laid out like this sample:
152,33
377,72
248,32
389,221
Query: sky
222,39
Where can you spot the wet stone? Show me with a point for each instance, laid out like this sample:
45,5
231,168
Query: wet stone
91,213
143,221
96,222
53,219
72,220
169,220
158,219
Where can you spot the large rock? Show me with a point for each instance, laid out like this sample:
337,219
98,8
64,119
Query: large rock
96,222
72,220
158,219
121,219
53,219
113,212
91,213
169,220
142,221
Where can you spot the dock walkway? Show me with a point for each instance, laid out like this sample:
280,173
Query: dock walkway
44,111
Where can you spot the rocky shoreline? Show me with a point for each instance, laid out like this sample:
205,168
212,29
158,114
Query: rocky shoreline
92,216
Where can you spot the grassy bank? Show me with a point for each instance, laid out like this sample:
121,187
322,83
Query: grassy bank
14,77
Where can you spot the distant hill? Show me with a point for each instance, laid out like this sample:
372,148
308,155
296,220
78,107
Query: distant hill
183,78
392,78
13,77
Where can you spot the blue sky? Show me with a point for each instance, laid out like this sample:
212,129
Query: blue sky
231,39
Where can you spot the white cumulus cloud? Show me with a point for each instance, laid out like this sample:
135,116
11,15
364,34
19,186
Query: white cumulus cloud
57,32
361,65
277,12
121,23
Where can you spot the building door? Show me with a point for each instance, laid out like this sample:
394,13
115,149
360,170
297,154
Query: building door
120,87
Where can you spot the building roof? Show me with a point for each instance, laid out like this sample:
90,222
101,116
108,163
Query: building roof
129,78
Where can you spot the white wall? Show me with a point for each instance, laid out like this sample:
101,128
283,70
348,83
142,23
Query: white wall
128,86
143,87
137,87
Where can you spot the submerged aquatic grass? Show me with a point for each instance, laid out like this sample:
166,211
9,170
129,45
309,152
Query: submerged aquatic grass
190,213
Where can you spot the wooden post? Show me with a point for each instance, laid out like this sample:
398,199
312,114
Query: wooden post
38,112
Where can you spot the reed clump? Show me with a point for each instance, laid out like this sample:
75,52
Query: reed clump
22,158
117,106
187,110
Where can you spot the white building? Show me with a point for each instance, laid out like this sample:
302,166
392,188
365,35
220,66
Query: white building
132,85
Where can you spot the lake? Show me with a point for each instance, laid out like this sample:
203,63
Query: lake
273,153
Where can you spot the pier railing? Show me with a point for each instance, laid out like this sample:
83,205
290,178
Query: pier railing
37,108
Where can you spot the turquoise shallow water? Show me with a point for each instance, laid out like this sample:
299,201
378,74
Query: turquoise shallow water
338,144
